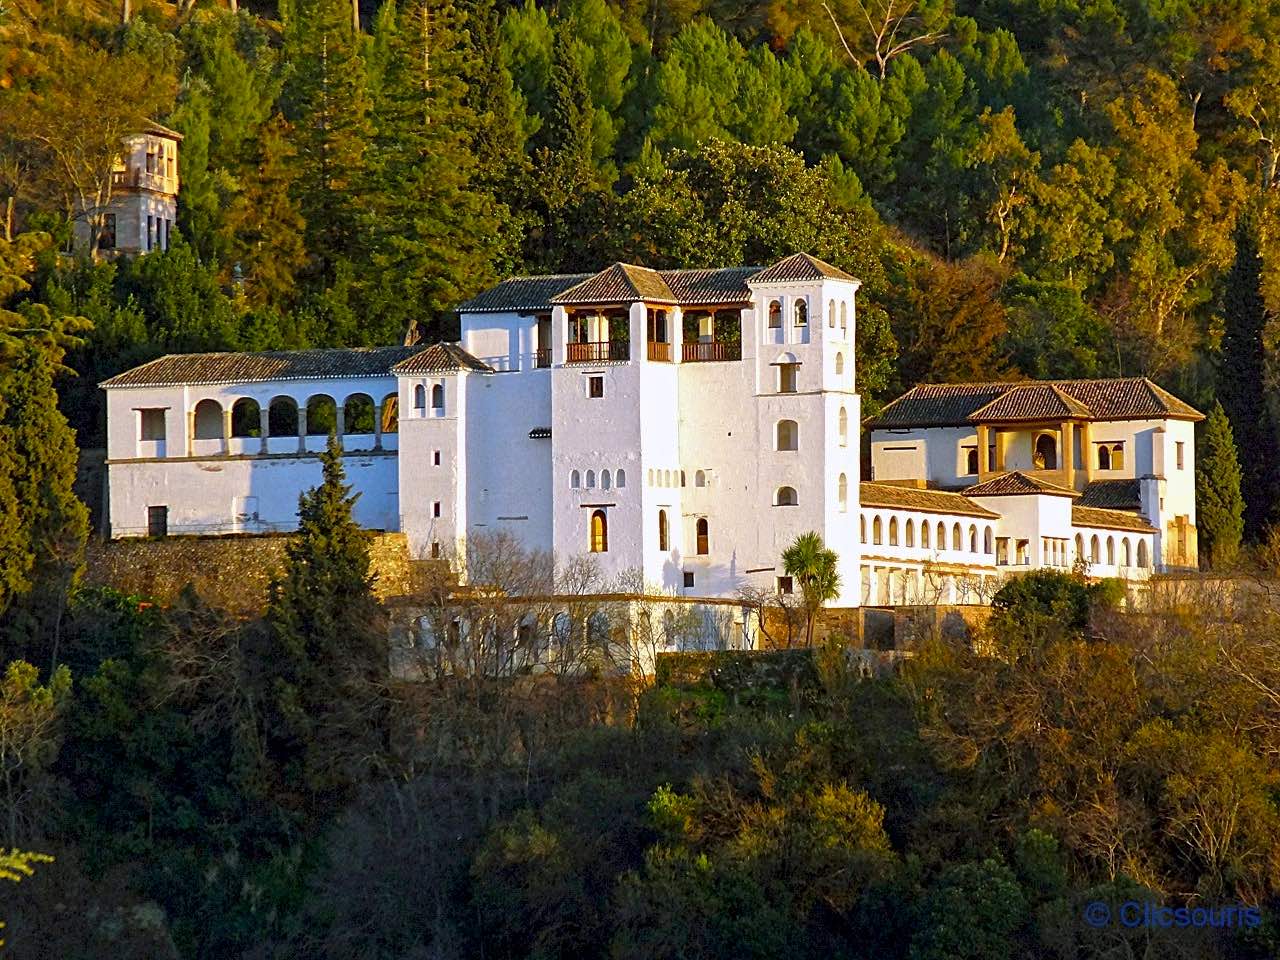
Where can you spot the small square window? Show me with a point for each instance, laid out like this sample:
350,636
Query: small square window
688,578
435,509
785,585
151,424
1181,448
157,521
595,387
435,550
435,458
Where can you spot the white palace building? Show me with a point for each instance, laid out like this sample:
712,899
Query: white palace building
688,424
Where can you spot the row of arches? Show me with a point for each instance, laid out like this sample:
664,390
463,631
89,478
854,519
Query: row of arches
285,418
1123,550
420,398
930,536
701,534
607,480
800,313
677,478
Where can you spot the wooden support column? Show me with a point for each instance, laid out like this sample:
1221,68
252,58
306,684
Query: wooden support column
984,451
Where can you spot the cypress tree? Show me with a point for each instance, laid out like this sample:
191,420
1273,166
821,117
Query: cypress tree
1241,379
327,100
329,644
433,233
1219,504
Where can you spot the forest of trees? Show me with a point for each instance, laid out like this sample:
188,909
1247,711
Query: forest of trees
1024,187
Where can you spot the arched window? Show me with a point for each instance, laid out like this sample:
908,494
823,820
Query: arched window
437,397
682,478
1095,552
663,541
971,462
1117,456
1045,455
775,314
391,413
924,533
700,479
591,479
844,315
1079,547
877,531
620,478
957,538
802,311
842,427
208,420
893,531
1104,457
1126,553
941,542
246,418
650,476
785,497
666,478
575,480
831,314
842,493
322,415
282,417
988,541
420,397
1111,551
839,364
909,533
788,435
599,532
862,528
606,481
1142,554
702,540
357,414
973,539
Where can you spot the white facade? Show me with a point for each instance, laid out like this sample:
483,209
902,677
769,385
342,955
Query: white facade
685,425
143,209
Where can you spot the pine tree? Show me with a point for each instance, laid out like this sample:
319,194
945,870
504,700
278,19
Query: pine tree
433,233
327,100
1219,504
264,229
1241,378
330,659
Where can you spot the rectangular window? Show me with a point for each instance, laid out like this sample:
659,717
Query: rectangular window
1181,449
151,161
435,550
788,375
595,387
688,578
435,458
785,585
107,239
435,509
151,231
151,424
157,521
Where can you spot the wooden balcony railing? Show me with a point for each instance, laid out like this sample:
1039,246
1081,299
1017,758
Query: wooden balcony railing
707,352
542,358
599,351
660,351
135,177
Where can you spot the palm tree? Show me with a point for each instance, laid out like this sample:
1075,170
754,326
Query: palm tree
813,567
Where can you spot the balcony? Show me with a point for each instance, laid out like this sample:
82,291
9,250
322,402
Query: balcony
134,178
598,351
660,351
542,358
711,352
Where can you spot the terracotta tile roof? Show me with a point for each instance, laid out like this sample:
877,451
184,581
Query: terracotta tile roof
1111,495
441,358
620,283
720,285
871,494
799,266
522,294
206,368
1032,401
1017,484
1109,519
961,404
